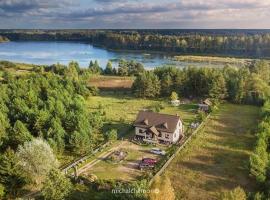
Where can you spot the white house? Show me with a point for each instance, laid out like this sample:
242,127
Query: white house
158,128
175,102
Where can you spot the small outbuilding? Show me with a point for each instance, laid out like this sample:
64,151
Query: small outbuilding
175,102
205,105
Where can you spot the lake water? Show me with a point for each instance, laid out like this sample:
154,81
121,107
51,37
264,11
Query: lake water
46,53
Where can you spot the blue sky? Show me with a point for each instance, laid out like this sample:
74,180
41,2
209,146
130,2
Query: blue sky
134,14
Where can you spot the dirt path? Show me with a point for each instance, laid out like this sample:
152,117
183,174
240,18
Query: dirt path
101,157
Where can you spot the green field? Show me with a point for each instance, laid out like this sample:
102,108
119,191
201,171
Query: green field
121,110
217,159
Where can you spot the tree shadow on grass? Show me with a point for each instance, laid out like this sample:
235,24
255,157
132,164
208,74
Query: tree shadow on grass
124,129
221,169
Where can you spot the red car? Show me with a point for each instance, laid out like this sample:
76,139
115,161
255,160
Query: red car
149,161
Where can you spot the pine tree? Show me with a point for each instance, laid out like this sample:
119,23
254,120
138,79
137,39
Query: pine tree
20,134
109,69
10,173
166,85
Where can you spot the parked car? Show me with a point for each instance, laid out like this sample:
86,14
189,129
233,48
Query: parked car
158,151
147,163
145,166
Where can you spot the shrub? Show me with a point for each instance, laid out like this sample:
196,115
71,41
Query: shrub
111,135
236,194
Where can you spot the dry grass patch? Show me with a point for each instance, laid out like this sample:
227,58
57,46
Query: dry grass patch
217,159
111,82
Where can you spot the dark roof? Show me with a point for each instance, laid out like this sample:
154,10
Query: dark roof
162,122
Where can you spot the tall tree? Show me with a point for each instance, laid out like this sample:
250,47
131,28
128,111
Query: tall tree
36,159
109,68
146,84
10,174
20,134
56,186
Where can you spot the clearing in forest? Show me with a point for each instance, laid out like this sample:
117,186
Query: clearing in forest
217,158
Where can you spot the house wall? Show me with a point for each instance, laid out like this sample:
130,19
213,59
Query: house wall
137,131
172,137
178,131
163,137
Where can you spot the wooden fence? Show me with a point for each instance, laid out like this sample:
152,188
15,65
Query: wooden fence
82,159
182,145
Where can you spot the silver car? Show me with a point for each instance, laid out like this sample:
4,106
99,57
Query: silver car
158,151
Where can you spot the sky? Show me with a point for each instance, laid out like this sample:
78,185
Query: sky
109,14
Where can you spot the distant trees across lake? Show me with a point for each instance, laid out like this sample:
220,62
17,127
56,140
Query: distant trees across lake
211,42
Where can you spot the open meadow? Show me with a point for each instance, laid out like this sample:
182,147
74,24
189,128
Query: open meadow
217,158
121,109
111,82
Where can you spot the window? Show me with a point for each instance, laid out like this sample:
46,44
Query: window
140,131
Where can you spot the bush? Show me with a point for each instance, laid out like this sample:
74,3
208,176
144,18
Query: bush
2,191
93,90
201,116
111,135
157,107
236,194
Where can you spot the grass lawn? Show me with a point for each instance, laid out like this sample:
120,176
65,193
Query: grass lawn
217,159
121,110
127,170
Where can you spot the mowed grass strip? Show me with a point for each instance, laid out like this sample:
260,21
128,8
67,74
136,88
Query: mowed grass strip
217,158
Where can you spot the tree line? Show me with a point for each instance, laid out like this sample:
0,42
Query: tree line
125,68
245,43
259,160
248,84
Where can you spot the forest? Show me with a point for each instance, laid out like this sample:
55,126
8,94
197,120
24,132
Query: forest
203,42
47,106
246,85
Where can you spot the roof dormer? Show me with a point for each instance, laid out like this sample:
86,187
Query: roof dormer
165,125
145,122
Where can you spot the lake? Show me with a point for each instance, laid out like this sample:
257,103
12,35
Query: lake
46,53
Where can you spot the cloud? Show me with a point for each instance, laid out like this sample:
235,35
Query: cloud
10,7
136,13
